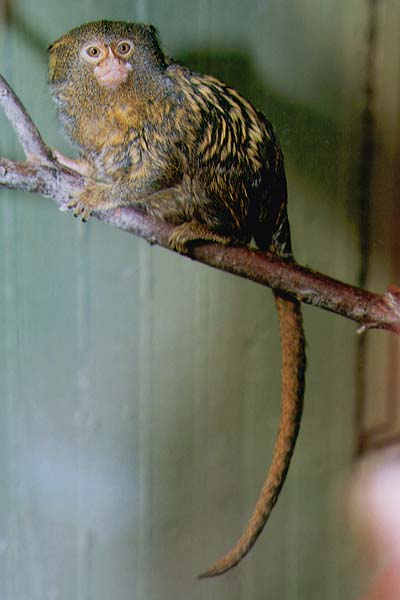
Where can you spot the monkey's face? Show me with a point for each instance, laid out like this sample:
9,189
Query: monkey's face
110,63
107,53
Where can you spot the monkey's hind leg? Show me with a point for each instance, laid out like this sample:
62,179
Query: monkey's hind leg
167,204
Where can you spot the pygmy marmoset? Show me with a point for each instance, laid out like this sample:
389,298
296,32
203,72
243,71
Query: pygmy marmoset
188,149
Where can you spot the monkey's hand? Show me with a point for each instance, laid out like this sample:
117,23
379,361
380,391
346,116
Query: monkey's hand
95,197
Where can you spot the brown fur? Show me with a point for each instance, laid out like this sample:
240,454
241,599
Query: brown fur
293,369
188,149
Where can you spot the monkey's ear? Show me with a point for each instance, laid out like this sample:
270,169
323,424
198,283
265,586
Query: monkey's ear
151,29
150,32
55,61
54,45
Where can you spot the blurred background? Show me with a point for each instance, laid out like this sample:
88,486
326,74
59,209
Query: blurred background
139,392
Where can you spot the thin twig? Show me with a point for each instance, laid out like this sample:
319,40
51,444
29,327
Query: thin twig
30,139
42,174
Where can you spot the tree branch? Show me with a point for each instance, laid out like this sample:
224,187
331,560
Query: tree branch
43,174
28,135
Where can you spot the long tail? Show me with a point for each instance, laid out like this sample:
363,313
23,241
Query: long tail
293,371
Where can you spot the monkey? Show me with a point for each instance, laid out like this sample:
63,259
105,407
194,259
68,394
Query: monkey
188,149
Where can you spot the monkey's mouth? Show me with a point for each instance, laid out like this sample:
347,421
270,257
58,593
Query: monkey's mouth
111,72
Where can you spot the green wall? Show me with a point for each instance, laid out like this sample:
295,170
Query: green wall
140,392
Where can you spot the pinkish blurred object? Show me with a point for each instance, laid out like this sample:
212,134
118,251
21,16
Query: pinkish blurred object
387,584
375,513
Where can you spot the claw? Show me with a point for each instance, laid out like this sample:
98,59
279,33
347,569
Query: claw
86,212
79,210
74,206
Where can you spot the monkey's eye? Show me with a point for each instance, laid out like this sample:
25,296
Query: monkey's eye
124,48
91,53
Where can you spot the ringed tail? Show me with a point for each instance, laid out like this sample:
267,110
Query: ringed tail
293,372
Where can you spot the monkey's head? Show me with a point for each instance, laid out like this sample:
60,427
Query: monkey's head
105,55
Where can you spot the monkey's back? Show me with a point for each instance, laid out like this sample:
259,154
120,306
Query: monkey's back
234,161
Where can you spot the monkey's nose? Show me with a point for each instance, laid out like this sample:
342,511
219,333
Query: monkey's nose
111,72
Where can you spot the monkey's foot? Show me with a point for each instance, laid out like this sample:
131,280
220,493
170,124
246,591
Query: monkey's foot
190,233
93,198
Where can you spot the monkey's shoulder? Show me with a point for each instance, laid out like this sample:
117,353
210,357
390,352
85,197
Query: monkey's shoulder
228,125
216,99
